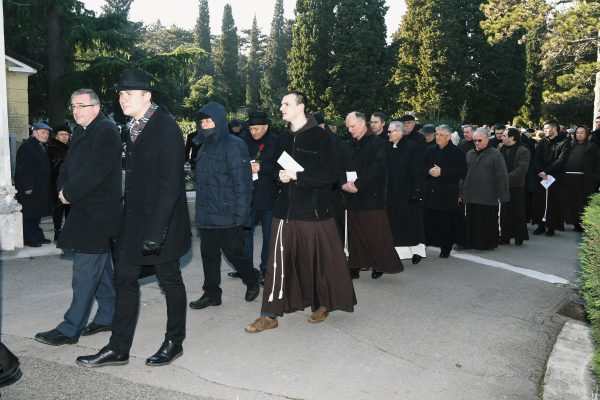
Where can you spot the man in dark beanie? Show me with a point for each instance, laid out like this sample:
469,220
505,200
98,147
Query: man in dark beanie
411,130
235,127
261,146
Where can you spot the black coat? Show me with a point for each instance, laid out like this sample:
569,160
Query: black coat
32,172
155,206
263,196
309,197
90,179
368,158
57,152
551,156
591,169
406,181
442,192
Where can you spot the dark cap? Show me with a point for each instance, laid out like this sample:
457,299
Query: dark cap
258,118
407,117
63,127
235,122
42,125
428,129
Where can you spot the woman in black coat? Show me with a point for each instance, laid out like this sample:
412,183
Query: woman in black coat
445,165
582,177
406,179
58,146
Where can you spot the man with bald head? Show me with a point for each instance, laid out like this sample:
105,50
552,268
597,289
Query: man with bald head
363,180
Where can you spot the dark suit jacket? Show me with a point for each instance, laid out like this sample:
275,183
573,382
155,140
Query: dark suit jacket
442,192
90,179
155,202
32,172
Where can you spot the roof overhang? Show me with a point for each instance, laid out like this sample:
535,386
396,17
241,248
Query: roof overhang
18,67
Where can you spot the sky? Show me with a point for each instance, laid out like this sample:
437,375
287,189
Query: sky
184,13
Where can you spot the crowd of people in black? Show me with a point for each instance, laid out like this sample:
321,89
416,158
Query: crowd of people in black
328,208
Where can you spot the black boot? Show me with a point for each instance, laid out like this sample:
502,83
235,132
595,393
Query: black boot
10,370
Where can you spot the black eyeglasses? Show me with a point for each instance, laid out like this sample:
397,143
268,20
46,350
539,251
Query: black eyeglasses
478,140
73,107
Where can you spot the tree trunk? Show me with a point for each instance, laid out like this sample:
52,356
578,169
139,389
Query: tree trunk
56,66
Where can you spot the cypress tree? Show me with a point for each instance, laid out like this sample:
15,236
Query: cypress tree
253,70
202,33
228,59
275,80
310,56
358,44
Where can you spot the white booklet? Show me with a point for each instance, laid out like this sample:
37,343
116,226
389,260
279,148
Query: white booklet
546,183
287,162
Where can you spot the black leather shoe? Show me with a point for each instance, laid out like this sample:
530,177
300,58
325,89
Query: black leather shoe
444,254
30,244
253,289
376,274
416,258
104,357
550,232
539,230
46,241
93,328
204,301
518,242
168,352
233,274
354,273
55,338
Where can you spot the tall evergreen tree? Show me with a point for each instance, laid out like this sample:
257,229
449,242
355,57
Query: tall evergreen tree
228,59
310,56
359,49
117,7
203,40
275,80
253,73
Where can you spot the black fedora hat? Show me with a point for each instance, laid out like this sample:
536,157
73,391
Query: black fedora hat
134,79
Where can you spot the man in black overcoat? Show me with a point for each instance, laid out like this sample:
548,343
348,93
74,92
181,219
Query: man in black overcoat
90,181
155,225
32,181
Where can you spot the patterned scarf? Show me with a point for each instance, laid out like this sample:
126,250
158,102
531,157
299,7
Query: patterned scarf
138,125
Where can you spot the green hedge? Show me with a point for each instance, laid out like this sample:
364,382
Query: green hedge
589,259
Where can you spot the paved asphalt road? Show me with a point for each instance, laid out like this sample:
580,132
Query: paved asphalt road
443,329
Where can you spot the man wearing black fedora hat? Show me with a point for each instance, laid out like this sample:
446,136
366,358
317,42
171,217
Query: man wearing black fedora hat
155,227
412,133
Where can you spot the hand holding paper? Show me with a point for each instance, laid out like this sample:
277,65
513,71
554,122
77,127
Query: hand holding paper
546,183
288,163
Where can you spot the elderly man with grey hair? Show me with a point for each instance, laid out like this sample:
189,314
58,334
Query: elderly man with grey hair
406,178
445,166
363,181
485,186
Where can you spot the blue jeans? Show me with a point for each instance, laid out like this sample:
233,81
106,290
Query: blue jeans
266,218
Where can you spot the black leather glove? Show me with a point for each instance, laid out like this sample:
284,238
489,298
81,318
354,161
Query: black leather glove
149,247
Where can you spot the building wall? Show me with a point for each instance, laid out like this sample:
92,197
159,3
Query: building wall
18,106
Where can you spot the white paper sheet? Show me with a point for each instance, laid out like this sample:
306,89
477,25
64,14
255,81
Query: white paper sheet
287,162
546,183
351,176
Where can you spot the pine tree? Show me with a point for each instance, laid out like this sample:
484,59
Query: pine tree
275,80
358,44
203,40
310,55
253,73
117,7
228,59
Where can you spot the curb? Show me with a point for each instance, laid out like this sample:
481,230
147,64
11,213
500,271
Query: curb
567,374
47,250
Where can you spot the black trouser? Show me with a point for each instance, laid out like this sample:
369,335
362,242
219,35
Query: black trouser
32,233
128,301
57,215
231,242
